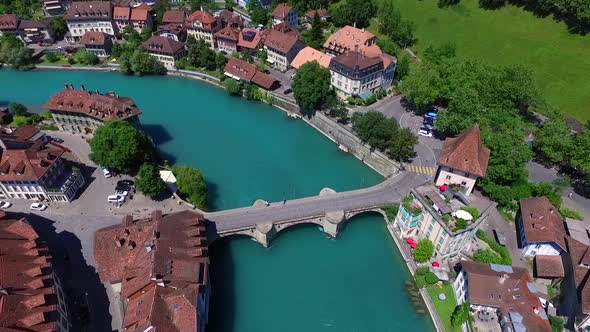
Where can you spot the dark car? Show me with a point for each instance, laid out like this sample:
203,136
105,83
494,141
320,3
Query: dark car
128,183
288,91
122,187
57,140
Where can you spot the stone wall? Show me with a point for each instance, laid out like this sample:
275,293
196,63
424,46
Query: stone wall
344,137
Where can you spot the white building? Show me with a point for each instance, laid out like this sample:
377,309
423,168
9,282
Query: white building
281,49
166,50
540,228
462,161
84,16
284,13
202,25
356,75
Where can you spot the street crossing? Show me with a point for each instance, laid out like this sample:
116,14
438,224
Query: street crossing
421,169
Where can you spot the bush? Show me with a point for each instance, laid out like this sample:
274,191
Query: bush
149,181
370,100
191,183
556,323
431,278
495,246
86,58
233,87
570,213
487,256
424,251
391,211
472,211
52,57
422,270
461,314
420,283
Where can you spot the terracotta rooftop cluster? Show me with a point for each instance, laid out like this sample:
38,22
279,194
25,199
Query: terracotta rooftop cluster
248,72
81,10
26,274
348,38
139,13
92,103
22,160
162,264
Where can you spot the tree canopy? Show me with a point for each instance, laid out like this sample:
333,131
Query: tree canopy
353,12
120,146
139,62
191,184
149,181
14,52
393,26
258,14
384,134
232,86
461,314
424,250
311,87
314,37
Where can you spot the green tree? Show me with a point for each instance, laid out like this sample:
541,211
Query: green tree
580,154
233,87
350,12
487,256
311,87
554,141
59,26
160,7
14,52
52,57
191,183
141,63
120,146
86,58
401,147
258,14
424,251
461,314
402,69
393,26
146,33
556,323
423,86
149,181
17,109
314,37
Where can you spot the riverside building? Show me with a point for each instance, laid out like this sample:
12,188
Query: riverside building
203,25
82,111
84,16
159,267
32,169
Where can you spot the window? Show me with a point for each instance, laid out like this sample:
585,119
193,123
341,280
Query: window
430,227
438,247
448,177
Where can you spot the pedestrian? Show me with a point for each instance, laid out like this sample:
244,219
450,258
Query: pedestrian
284,201
570,194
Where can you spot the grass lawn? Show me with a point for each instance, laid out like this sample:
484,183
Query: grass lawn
445,308
62,61
511,35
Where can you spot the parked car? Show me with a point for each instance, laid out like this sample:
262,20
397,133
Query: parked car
106,172
288,91
5,205
128,183
121,193
115,199
38,207
122,187
424,131
428,122
57,140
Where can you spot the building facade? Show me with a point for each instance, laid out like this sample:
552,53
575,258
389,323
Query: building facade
462,161
202,25
159,266
97,43
35,170
84,16
227,39
355,74
138,18
281,49
166,51
54,7
284,13
36,31
8,23
34,298
82,111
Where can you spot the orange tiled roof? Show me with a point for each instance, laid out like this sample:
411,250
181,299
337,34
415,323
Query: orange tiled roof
26,161
311,54
466,153
347,38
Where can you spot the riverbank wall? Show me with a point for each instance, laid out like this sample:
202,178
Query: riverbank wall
336,132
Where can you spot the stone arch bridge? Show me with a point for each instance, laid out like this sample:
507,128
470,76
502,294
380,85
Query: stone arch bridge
329,210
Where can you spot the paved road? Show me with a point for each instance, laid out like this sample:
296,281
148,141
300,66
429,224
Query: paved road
389,191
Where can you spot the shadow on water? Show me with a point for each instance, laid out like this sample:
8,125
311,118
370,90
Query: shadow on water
86,296
158,133
212,195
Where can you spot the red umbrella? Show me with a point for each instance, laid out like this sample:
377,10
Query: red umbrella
435,264
443,187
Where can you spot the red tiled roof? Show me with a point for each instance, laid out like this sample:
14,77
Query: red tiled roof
356,61
83,10
508,290
34,24
387,60
140,14
8,22
240,68
579,253
347,38
174,16
542,221
121,13
549,266
228,33
466,153
202,16
263,80
281,11
280,41
321,12
99,106
26,132
144,5
26,272
311,54
27,161
250,44
163,264
163,45
95,38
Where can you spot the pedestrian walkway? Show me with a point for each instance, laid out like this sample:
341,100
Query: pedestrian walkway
421,169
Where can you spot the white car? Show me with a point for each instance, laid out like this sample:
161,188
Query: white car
122,193
425,132
5,205
116,199
38,207
106,172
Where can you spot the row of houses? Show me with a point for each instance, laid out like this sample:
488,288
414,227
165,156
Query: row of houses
30,31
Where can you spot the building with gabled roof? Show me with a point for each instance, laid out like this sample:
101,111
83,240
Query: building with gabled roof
160,268
203,25
167,51
463,160
36,31
355,74
540,227
8,23
31,295
84,16
281,49
507,294
284,13
227,39
347,39
246,72
139,17
321,12
250,41
308,54
82,111
98,43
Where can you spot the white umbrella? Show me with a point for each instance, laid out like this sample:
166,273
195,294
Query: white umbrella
463,215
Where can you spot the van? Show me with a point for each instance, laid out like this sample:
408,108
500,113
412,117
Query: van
115,199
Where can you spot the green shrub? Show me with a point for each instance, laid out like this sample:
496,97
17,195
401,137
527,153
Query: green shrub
424,251
570,213
420,283
487,256
391,211
422,270
191,183
495,246
408,206
461,314
472,211
52,57
431,278
556,323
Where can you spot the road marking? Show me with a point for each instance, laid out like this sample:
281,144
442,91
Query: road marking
421,169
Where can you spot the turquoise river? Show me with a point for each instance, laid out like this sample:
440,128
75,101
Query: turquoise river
305,281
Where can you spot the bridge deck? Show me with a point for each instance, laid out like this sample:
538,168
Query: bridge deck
389,191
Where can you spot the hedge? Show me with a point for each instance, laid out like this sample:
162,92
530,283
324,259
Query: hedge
431,278
495,246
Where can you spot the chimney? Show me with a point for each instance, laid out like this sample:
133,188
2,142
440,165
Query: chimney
119,243
131,245
354,25
82,87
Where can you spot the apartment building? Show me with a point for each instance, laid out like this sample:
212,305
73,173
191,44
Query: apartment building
165,50
203,25
281,49
355,74
84,16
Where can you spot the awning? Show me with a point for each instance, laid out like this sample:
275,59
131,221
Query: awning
270,60
53,7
